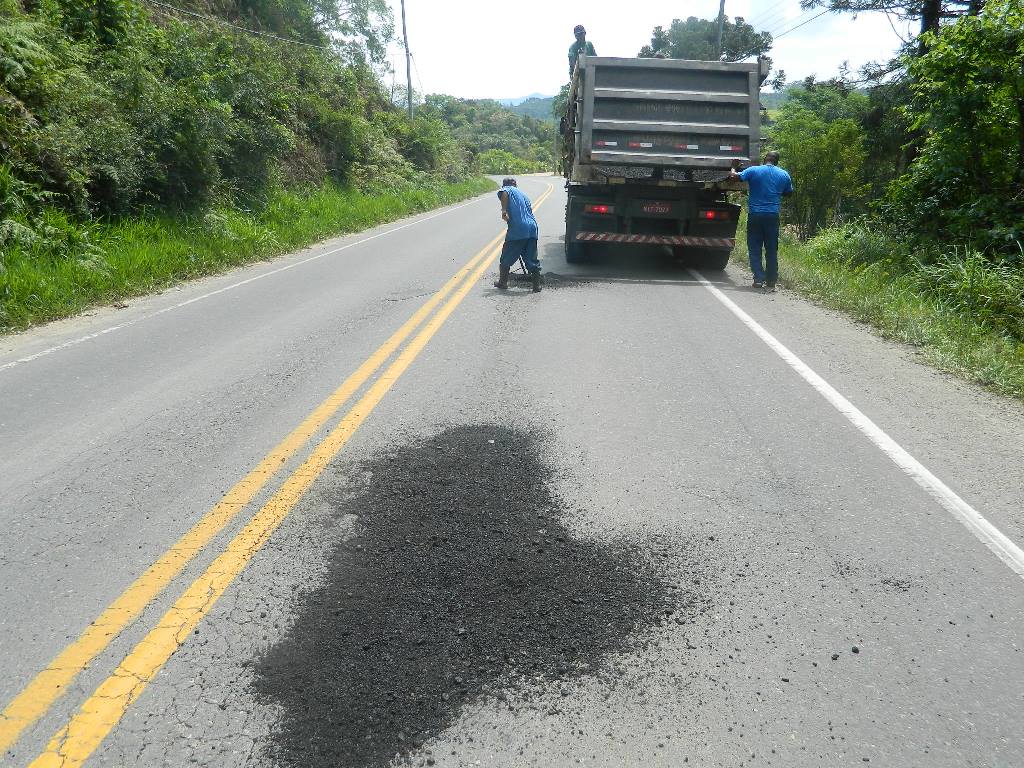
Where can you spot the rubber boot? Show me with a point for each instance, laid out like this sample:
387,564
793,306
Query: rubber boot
502,281
535,279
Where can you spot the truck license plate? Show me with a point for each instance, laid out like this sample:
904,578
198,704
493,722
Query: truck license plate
657,208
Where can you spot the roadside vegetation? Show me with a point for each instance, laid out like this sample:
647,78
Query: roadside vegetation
909,203
128,256
144,142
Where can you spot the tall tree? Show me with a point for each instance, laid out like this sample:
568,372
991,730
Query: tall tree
697,39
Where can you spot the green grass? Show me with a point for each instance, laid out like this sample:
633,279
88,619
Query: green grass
963,323
82,265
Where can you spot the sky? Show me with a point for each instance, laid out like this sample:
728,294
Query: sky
470,49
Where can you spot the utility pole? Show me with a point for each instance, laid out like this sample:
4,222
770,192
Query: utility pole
408,61
721,24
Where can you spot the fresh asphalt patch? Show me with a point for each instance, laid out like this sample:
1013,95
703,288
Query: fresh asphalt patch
462,583
549,280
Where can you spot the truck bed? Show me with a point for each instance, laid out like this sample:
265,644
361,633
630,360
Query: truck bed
663,113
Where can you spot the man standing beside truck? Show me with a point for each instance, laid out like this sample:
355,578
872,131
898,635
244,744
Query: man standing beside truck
768,184
581,46
521,236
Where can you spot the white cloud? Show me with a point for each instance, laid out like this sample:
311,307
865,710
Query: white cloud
472,50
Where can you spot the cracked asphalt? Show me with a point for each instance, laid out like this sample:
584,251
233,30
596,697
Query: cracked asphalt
674,551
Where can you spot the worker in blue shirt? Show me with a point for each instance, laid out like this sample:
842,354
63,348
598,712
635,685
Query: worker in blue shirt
768,185
521,235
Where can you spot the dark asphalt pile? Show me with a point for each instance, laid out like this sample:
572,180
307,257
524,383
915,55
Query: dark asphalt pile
551,280
461,584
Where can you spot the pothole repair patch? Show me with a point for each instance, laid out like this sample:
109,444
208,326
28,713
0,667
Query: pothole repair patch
461,582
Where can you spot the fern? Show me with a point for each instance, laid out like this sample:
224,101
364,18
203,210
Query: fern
21,52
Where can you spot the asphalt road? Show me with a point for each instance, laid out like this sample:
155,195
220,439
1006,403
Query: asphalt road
609,524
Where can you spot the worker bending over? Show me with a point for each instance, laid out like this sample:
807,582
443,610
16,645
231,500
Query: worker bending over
521,235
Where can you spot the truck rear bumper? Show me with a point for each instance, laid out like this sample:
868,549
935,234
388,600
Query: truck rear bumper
724,243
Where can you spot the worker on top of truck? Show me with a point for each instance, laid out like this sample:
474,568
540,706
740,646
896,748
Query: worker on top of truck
768,184
582,45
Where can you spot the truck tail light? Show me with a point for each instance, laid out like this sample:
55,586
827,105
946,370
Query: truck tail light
714,215
599,209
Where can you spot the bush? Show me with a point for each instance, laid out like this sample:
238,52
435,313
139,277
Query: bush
962,280
826,161
497,161
990,292
858,244
967,182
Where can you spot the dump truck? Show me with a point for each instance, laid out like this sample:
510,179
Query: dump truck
647,148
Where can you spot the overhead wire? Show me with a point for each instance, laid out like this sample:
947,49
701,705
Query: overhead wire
416,69
772,15
784,22
793,29
775,19
781,21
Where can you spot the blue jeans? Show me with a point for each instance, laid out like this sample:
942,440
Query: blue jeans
763,230
513,249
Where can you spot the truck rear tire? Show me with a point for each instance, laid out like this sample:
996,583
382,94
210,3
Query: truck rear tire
716,261
575,253
703,258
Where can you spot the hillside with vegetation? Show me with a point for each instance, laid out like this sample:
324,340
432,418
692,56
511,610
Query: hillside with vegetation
497,139
142,144
539,107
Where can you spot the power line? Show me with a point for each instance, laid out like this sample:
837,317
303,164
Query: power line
416,69
215,20
782,22
793,29
769,16
775,19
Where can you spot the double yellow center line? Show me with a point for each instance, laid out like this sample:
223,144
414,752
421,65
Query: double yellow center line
74,742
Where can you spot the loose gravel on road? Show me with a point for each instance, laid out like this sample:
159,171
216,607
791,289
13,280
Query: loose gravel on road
462,583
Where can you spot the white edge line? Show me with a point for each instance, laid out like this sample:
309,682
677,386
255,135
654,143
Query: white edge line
80,339
988,534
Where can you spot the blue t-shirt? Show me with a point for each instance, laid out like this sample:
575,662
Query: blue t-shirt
767,185
521,224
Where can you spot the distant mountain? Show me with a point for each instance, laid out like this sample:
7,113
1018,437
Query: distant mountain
535,106
520,100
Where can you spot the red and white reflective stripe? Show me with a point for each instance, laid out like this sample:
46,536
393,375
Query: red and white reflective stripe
641,145
606,143
614,237
687,146
730,148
